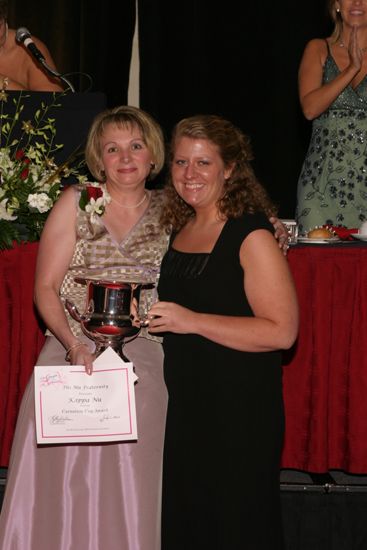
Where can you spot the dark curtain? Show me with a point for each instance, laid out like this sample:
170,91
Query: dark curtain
208,57
195,56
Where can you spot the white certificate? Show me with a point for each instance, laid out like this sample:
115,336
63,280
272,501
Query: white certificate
73,407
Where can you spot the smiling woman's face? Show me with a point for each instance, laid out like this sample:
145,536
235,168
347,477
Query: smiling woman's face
198,172
125,156
353,12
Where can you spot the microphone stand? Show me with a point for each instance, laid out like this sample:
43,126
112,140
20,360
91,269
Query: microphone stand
58,75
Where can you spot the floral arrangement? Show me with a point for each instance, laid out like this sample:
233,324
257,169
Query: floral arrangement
30,180
93,200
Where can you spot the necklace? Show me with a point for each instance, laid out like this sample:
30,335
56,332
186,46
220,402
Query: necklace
342,45
132,205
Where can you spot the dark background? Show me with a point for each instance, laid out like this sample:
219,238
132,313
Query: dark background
197,56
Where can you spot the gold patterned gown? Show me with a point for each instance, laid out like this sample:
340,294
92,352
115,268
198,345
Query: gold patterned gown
95,497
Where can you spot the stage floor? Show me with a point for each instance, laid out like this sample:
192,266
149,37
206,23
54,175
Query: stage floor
320,511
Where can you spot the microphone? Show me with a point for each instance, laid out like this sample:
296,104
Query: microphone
23,36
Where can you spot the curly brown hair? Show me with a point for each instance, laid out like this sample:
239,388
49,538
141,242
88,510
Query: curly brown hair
242,191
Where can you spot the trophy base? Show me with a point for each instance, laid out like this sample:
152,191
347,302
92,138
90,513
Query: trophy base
116,345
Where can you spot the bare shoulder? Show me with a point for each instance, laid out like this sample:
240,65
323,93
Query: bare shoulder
64,209
260,245
68,196
317,44
317,48
259,236
60,227
12,40
311,66
40,45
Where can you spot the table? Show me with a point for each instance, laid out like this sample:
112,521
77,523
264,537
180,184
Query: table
21,335
325,374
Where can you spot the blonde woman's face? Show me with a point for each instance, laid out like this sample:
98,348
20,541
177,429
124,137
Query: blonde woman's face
125,157
353,12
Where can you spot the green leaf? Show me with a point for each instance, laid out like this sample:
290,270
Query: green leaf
8,234
83,201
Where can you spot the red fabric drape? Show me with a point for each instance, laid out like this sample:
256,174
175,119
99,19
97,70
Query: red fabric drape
21,335
325,376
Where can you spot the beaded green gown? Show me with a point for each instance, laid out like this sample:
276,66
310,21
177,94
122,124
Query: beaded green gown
332,187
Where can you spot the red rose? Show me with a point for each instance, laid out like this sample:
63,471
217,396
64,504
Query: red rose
87,194
94,192
24,174
19,154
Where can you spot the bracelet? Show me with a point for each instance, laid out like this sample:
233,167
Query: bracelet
74,346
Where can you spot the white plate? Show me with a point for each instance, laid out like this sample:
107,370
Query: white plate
318,241
359,237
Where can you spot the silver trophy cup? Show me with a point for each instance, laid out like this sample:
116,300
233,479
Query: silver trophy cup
111,315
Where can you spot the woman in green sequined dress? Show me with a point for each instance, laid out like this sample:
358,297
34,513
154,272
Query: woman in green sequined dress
332,187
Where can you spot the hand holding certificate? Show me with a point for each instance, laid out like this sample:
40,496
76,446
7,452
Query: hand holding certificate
73,407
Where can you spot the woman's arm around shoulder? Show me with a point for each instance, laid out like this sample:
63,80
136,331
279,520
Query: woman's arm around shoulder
316,97
280,233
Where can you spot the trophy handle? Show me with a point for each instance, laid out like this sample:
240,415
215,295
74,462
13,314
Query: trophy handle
73,310
121,346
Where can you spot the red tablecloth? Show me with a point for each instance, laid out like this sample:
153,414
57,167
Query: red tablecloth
325,375
325,378
21,335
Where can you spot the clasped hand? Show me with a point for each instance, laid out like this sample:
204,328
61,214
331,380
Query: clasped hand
354,49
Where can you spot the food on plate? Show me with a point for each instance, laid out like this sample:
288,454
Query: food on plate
320,233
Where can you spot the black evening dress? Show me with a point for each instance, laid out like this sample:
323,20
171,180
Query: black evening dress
225,414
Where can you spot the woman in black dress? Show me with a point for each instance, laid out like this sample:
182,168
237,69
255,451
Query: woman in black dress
227,307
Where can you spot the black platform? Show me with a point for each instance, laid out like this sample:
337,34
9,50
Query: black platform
320,512
324,511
